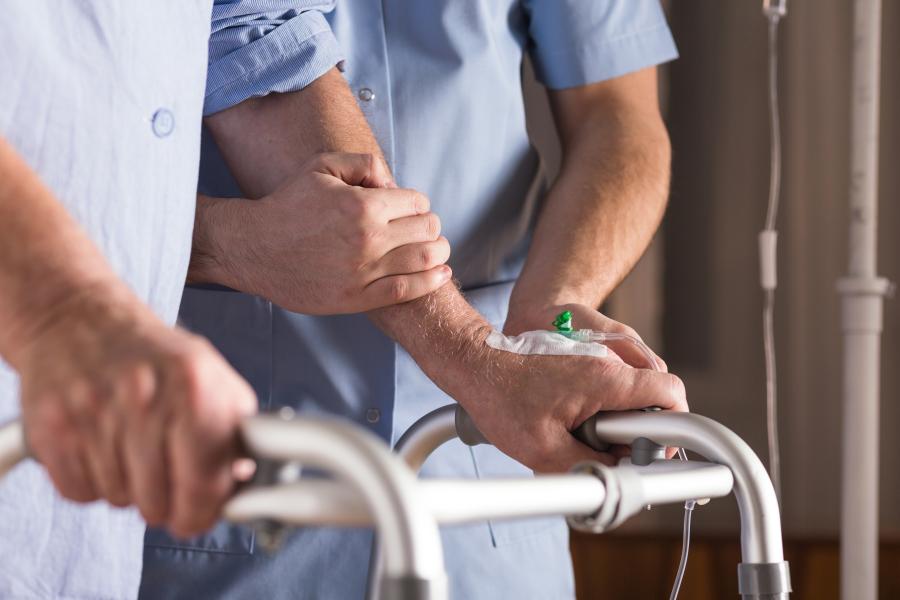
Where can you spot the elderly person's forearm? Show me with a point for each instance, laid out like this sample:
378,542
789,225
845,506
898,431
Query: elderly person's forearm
45,257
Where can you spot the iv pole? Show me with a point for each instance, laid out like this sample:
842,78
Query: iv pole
862,296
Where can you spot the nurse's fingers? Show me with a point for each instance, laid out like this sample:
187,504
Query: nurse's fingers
413,230
389,205
403,288
412,258
366,170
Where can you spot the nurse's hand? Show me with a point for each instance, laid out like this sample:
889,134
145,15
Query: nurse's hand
118,406
528,405
338,237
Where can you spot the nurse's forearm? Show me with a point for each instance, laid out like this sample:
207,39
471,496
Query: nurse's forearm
46,260
607,202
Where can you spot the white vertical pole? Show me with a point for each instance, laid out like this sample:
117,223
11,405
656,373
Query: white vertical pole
862,293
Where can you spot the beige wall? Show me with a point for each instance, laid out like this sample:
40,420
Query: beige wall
717,113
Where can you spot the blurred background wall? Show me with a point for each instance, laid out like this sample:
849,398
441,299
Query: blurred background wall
695,295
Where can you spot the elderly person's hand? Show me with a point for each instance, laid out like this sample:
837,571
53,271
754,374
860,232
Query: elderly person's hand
527,405
583,317
338,237
120,407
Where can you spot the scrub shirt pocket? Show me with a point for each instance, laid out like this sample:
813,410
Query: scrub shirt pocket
209,311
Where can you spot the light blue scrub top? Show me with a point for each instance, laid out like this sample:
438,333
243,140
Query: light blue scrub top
439,82
104,101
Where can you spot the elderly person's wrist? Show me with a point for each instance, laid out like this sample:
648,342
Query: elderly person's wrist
73,311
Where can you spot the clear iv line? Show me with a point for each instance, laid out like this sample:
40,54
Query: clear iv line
602,337
769,283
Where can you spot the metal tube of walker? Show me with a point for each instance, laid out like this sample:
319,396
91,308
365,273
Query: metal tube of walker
671,481
763,573
453,501
413,557
375,481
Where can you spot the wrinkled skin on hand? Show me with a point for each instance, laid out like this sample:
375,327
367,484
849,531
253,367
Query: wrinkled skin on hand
118,406
528,405
338,237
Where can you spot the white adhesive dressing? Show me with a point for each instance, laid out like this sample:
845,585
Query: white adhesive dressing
544,342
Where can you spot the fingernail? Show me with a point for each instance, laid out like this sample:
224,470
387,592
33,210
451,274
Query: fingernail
446,272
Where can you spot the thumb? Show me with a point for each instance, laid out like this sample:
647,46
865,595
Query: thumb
365,170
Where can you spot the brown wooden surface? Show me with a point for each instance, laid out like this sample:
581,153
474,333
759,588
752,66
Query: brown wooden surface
611,567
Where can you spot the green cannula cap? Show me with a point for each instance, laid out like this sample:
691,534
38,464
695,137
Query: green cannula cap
563,321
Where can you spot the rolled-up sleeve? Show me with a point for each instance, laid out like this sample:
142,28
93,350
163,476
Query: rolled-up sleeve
577,42
257,47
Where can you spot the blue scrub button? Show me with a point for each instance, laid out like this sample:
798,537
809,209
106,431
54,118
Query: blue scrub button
373,415
163,122
366,95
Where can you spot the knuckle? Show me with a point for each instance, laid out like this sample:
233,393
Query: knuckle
199,490
677,391
152,514
426,256
421,203
365,241
432,226
85,397
196,490
141,381
399,289
352,205
118,498
75,493
182,527
51,420
622,328
373,163
189,367
360,236
443,248
317,161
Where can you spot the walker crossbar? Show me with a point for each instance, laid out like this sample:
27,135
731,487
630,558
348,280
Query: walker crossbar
451,501
763,573
377,481
374,487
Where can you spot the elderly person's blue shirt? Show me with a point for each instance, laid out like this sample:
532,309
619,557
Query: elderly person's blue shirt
439,82
103,101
